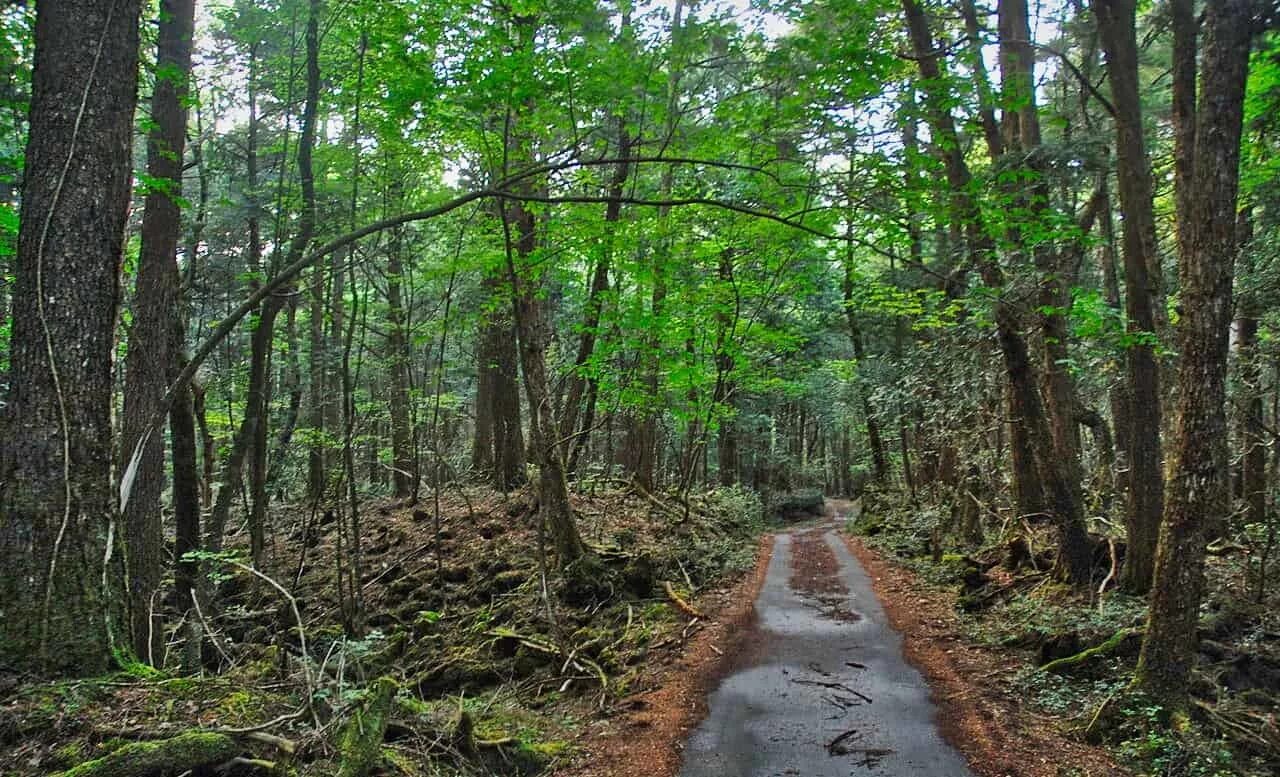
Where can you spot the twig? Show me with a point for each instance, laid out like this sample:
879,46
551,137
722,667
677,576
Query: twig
302,632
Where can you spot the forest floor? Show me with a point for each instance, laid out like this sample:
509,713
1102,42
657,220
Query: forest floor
496,668
1021,665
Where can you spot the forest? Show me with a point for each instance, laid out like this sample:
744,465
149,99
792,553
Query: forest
449,388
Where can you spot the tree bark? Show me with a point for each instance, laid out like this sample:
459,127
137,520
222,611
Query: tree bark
1198,480
498,450
1145,487
1061,493
404,471
1252,431
153,338
60,592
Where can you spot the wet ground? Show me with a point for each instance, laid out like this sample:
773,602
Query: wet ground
822,689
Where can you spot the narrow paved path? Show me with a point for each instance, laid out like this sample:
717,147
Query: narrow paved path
824,690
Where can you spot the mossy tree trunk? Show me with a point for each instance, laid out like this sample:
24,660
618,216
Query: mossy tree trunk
1198,481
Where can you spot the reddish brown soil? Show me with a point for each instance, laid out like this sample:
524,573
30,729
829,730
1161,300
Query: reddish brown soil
978,710
815,575
644,736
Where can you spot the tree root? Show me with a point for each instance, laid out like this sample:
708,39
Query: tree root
681,604
1257,733
175,755
1088,654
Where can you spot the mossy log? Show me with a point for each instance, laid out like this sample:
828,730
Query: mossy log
1111,645
360,745
175,755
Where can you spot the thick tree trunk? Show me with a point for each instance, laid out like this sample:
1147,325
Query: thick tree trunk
498,450
154,348
60,594
1198,480
1116,27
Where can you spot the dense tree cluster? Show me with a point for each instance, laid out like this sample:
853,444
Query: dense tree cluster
1019,259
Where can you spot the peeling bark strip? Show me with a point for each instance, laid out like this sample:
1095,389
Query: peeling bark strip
59,601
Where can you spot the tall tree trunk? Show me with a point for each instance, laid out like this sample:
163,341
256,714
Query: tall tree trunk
316,386
149,362
533,325
642,437
879,462
60,592
1061,492
579,382
1198,471
1182,19
1145,501
534,337
1118,395
404,472
1252,435
498,450
252,425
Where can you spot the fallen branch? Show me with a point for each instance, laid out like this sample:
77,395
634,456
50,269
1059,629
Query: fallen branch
185,752
680,603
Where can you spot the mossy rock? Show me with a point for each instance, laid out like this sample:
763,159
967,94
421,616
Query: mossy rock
639,576
508,581
185,752
588,581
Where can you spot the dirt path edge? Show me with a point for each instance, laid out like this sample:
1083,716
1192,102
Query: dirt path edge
977,712
646,737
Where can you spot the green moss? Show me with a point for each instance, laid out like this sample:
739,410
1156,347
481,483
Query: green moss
360,745
174,755
69,754
1097,651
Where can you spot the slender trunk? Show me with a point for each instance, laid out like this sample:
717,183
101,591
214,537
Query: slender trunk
642,438
1145,487
579,382
1182,17
1062,498
293,381
149,362
403,472
1252,434
1118,395
529,310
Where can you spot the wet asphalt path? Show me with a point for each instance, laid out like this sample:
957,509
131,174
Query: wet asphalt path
819,696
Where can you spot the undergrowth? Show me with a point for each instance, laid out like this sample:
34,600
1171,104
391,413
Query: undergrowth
1039,620
496,669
